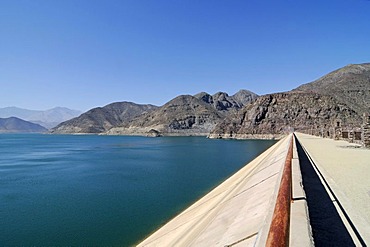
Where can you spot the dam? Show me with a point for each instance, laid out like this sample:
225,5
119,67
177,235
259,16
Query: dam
303,191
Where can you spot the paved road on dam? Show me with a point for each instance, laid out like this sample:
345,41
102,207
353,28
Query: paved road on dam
345,171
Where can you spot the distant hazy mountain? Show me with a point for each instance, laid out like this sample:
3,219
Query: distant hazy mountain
101,119
16,125
48,118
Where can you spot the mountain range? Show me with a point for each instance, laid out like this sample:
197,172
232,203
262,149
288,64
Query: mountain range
342,95
48,118
183,115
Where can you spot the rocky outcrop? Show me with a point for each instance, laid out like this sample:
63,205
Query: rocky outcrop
153,133
273,115
17,125
101,119
184,115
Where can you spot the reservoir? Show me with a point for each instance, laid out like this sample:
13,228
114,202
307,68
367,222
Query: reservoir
106,190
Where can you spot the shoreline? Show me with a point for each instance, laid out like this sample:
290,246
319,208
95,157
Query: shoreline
247,136
177,134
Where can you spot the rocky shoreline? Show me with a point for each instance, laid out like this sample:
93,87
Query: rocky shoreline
248,136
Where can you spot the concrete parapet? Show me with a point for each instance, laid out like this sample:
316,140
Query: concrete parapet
297,186
295,152
300,229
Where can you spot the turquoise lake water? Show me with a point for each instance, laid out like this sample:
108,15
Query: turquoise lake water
106,190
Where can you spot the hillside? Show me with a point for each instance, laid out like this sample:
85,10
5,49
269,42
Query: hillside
275,114
343,94
349,85
16,125
183,115
101,119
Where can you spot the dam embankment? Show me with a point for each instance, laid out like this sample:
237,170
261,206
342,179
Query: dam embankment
239,211
328,203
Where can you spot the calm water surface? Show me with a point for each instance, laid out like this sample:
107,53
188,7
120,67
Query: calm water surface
106,190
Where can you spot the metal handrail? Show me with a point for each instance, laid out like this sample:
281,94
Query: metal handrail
279,229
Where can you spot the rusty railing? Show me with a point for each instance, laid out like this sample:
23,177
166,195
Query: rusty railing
279,229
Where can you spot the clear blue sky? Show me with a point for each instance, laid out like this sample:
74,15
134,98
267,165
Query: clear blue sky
83,54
